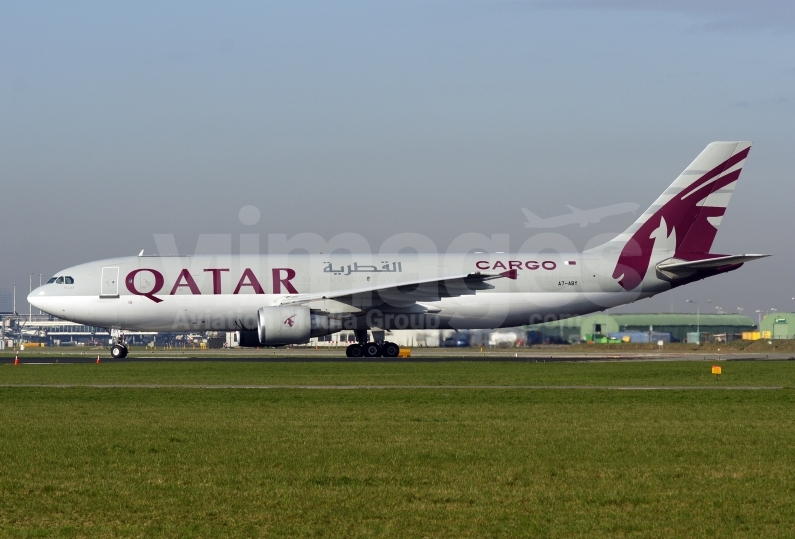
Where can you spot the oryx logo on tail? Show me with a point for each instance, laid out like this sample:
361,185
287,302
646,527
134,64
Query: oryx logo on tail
683,221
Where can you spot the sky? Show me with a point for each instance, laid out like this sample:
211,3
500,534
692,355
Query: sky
123,121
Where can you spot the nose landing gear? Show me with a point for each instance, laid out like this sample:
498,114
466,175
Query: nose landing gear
119,348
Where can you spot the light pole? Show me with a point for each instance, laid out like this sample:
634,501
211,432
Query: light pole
30,307
698,318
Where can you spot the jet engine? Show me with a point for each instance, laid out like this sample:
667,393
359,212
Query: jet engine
290,324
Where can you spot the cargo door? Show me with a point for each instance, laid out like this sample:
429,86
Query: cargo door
109,286
590,270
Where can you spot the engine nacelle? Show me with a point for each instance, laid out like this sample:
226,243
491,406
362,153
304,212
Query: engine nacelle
284,324
291,324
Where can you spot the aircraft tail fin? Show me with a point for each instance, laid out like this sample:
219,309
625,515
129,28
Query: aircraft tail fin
685,218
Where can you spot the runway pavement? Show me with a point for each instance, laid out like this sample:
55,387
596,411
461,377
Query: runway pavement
91,357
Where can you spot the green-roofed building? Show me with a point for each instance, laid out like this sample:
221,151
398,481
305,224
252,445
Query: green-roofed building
678,325
780,326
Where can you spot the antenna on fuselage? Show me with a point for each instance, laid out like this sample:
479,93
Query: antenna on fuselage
141,253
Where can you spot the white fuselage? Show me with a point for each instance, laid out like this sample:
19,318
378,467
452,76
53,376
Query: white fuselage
152,293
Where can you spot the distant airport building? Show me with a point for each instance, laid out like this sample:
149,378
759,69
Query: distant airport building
640,328
49,331
6,302
724,327
778,326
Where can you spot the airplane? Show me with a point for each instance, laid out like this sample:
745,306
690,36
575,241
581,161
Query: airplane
287,299
583,217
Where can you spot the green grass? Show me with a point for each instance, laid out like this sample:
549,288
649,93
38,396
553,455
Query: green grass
88,462
686,373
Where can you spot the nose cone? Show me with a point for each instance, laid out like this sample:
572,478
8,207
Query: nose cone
37,298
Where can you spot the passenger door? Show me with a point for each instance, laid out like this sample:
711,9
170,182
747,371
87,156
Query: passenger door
109,287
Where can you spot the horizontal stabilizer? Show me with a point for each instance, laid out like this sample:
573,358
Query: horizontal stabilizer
675,265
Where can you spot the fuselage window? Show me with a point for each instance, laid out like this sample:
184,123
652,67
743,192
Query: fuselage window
51,280
69,280
59,280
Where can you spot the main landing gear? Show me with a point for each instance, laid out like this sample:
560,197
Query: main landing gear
378,348
372,349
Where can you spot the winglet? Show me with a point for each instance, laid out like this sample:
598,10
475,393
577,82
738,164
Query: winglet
510,274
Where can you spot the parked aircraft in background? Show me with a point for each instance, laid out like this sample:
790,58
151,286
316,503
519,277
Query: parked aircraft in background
280,300
583,217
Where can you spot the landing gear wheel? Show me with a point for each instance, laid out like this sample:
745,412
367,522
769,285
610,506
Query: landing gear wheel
354,350
125,350
118,352
371,349
390,349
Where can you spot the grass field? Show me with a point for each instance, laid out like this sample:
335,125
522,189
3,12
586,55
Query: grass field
121,462
676,373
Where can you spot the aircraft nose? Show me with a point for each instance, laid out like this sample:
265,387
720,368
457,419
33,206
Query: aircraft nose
37,298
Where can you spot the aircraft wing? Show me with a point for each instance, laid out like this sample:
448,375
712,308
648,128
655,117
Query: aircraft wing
674,265
408,292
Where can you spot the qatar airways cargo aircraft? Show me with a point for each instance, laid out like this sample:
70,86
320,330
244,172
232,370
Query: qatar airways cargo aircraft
281,300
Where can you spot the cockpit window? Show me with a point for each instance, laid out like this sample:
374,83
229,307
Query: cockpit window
59,280
69,280
51,280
